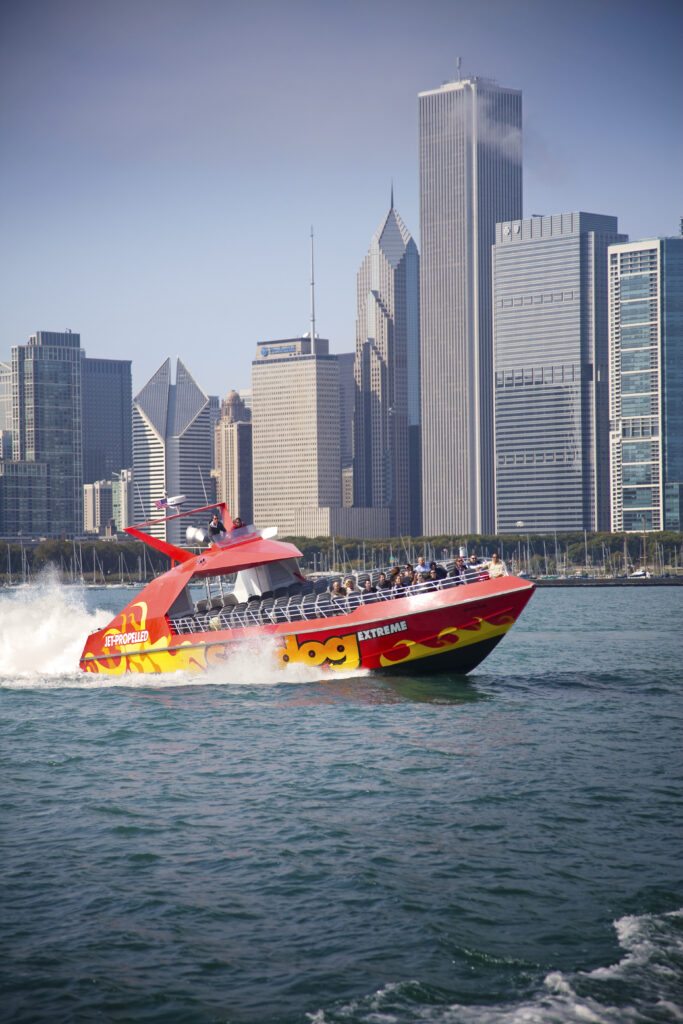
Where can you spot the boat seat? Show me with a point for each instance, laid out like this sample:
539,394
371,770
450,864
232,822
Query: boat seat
217,602
308,587
266,609
320,587
294,588
280,592
280,609
324,606
238,615
294,606
201,606
308,606
266,594
229,600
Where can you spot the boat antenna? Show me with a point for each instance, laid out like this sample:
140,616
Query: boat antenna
312,296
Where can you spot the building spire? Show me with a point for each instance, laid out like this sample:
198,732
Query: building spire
391,203
312,297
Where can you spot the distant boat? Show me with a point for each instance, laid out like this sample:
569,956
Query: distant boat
640,574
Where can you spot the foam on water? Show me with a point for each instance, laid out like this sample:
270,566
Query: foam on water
643,986
43,627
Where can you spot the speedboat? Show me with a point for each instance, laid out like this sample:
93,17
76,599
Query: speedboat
255,597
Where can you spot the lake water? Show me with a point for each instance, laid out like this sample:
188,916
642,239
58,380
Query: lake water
260,847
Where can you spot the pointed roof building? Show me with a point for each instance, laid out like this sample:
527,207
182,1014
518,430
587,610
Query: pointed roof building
172,447
387,375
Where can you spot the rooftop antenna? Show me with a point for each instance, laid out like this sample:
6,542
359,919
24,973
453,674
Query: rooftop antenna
312,295
392,194
458,64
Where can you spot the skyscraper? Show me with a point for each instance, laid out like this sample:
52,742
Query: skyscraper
46,427
646,384
233,458
172,448
107,418
387,373
296,436
98,506
550,372
470,135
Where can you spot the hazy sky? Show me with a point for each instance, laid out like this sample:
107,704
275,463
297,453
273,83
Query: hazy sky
163,161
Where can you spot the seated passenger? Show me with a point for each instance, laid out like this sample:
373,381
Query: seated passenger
472,566
369,592
383,583
421,566
434,580
237,524
496,567
460,570
439,570
397,585
419,582
336,592
350,586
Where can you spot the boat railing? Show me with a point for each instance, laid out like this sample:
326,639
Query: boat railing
305,606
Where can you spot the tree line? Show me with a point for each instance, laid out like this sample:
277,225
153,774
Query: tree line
130,560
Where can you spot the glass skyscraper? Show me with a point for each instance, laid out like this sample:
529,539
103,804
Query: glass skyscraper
550,372
107,418
46,427
470,136
387,373
646,384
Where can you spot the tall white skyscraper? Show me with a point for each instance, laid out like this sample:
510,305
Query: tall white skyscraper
470,136
387,372
172,448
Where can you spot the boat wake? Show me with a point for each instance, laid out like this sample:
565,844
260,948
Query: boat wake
641,988
43,627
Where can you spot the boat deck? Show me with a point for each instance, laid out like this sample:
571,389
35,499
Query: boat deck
302,602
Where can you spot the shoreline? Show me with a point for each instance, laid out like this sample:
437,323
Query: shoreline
669,581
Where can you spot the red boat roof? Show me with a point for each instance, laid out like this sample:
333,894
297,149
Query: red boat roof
239,550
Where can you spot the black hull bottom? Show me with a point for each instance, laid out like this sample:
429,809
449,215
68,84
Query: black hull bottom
454,661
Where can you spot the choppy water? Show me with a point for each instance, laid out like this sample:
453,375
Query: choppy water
255,847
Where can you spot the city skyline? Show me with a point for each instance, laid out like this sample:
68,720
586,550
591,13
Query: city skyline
145,155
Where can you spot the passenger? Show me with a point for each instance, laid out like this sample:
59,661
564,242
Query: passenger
419,582
439,569
472,565
237,524
383,583
350,586
397,585
496,567
434,579
431,581
369,592
460,570
421,566
216,527
336,592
